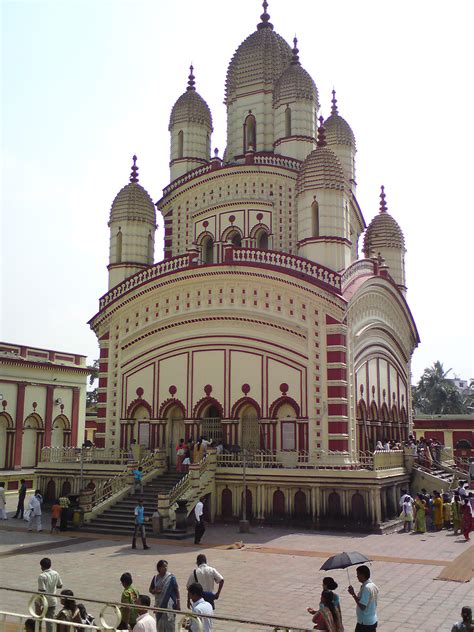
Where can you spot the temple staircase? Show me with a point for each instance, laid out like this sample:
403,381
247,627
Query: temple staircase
118,519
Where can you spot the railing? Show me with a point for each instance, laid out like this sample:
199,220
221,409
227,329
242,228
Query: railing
289,262
89,455
180,489
117,484
165,267
199,171
109,617
388,459
276,161
361,266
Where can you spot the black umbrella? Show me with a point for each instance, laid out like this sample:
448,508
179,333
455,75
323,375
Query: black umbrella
344,560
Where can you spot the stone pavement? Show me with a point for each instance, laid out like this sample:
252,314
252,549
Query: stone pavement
274,578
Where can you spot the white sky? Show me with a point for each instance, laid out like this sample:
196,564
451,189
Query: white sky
87,83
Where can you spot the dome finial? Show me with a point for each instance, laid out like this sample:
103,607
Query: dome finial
265,23
191,81
334,103
134,174
383,203
295,60
321,133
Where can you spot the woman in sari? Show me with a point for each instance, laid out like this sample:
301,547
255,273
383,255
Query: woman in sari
180,450
456,513
165,588
437,511
466,521
325,618
420,514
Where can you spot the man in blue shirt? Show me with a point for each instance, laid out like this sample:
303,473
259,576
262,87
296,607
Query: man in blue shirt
137,479
139,525
366,600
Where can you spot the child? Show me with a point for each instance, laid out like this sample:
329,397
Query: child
55,513
137,475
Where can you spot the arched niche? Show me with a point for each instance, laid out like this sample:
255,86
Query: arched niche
249,429
250,133
31,443
226,504
278,504
175,430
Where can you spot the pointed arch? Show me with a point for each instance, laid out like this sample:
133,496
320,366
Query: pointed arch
170,403
204,403
7,419
385,412
234,235
315,218
63,420
118,257
284,399
245,401
374,411
34,421
133,407
362,410
395,417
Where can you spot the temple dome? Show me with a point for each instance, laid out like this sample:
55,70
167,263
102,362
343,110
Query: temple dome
133,202
321,169
261,58
338,130
382,232
295,83
190,108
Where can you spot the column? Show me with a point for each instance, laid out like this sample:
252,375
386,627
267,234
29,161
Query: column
20,411
48,417
75,418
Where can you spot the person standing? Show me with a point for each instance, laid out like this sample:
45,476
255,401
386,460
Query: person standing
69,612
48,582
466,521
20,508
456,513
165,588
139,525
55,515
137,480
3,502
407,513
65,504
206,576
199,606
145,621
437,511
180,454
366,600
420,514
199,527
129,596
34,507
325,616
466,624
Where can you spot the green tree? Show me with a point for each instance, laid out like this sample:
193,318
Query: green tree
91,396
435,393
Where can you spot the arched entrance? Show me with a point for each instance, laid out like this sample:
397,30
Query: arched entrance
141,427
249,435
286,431
174,431
278,504
31,444
6,432
58,434
211,426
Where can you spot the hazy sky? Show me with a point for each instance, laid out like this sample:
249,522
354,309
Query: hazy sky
85,84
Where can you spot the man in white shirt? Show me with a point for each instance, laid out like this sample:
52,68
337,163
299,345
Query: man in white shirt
199,606
35,511
3,502
48,582
404,494
145,621
206,576
199,527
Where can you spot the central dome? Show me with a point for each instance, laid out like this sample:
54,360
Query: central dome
261,58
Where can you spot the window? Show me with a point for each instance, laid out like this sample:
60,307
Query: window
250,133
288,435
288,121
315,219
119,247
180,144
207,250
261,240
235,239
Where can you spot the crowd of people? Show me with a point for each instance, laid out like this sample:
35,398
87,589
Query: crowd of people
191,451
203,588
437,511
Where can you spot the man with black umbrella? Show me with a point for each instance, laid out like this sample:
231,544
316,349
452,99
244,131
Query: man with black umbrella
366,601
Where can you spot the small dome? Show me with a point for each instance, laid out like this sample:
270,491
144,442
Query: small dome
321,169
338,130
262,57
133,202
383,231
190,107
295,83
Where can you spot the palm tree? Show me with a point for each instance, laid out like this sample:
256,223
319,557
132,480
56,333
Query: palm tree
435,394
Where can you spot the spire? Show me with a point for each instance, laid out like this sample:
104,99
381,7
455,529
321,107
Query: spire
295,60
383,204
191,81
265,23
334,103
321,133
134,174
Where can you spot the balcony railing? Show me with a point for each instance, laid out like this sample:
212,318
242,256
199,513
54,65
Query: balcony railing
113,456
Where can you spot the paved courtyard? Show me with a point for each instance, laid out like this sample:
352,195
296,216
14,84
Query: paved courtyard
274,578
